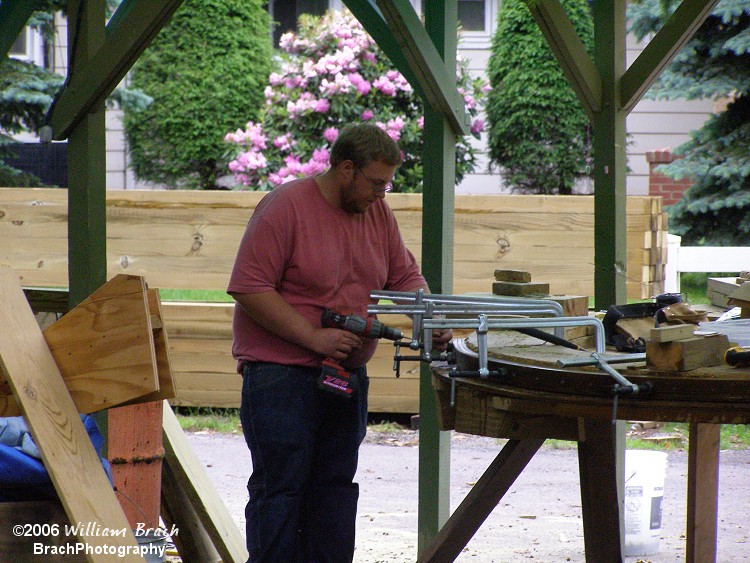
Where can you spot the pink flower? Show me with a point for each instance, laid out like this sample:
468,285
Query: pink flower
283,142
362,85
367,115
321,155
385,86
312,168
292,165
420,122
322,106
477,126
330,134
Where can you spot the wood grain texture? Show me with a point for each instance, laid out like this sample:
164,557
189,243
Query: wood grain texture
67,452
104,347
179,239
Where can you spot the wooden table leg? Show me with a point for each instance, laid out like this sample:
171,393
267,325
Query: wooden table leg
597,461
702,493
481,500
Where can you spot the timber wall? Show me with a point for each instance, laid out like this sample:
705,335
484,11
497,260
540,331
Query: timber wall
188,239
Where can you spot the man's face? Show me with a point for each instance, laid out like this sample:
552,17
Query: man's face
367,185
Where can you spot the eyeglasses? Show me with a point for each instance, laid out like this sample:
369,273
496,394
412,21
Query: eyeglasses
379,187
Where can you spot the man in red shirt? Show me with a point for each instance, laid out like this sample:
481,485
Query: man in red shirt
313,244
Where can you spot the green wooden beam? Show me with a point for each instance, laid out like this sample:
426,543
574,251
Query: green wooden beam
570,53
13,17
87,226
438,202
436,77
610,162
128,33
368,14
678,30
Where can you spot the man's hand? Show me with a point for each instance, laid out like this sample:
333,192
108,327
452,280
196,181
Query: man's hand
441,337
334,343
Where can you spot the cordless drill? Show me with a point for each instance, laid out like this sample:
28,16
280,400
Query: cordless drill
334,377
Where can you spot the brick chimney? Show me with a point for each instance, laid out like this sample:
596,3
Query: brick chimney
658,184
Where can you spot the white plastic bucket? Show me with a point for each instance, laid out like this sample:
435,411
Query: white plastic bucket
644,491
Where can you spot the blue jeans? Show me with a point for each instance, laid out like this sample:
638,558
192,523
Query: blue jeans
304,444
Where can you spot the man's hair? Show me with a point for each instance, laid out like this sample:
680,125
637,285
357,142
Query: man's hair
364,143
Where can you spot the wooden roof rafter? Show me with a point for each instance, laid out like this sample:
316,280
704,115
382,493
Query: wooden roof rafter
13,17
399,32
662,48
128,33
570,53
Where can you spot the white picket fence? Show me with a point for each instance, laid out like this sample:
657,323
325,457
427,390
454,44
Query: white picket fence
730,259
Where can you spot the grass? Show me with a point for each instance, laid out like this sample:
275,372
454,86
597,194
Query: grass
214,295
207,419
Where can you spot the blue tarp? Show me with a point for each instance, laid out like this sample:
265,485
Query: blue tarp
22,473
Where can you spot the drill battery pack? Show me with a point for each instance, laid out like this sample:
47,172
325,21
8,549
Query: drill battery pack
336,379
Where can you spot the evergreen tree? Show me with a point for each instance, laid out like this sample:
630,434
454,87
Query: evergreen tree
26,92
206,71
715,63
539,136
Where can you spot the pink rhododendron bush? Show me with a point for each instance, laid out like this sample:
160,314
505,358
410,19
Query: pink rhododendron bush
329,74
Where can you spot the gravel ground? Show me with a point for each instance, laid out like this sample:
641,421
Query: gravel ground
538,520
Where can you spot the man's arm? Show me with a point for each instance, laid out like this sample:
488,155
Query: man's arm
272,312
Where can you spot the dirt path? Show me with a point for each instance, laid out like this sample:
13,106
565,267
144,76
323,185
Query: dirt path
539,520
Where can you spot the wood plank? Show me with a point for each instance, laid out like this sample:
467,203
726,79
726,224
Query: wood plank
672,332
193,480
198,235
687,354
520,289
67,452
512,276
193,542
703,493
104,347
162,353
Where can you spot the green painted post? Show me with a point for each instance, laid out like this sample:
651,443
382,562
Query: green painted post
610,229
437,264
87,236
610,169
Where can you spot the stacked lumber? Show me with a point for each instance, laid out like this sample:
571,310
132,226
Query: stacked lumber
189,239
718,290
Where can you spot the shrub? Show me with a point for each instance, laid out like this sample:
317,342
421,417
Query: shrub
205,71
538,134
331,73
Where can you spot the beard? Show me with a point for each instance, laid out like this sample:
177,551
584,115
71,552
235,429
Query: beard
350,203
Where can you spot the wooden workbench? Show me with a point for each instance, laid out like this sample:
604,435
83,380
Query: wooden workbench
537,400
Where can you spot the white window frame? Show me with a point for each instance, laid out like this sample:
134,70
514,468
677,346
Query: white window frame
34,47
474,39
